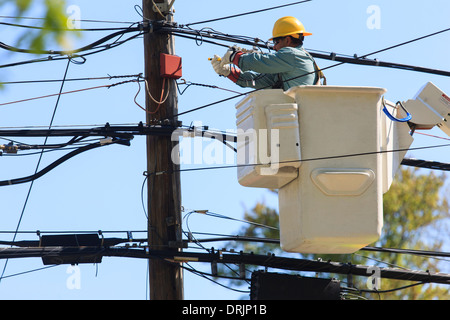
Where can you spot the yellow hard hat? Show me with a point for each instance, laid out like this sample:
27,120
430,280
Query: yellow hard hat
288,26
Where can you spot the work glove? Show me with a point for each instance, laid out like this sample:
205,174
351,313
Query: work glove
219,67
231,54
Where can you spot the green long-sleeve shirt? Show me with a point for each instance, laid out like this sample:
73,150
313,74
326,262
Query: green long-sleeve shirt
293,65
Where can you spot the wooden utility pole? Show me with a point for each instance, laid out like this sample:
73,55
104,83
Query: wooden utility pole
164,194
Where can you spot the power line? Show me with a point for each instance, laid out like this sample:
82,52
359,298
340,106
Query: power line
72,56
108,86
434,165
174,29
26,272
270,261
247,13
109,77
39,161
40,232
244,238
129,131
80,20
74,51
38,174
355,59
443,166
64,29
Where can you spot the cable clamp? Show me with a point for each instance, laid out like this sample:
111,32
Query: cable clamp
163,8
9,148
107,140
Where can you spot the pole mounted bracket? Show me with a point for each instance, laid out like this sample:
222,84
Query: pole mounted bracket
163,8
172,221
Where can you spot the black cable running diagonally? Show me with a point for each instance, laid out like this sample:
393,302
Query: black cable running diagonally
66,157
39,161
97,47
71,52
247,13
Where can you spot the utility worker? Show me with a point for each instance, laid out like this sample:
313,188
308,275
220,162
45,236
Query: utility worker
290,66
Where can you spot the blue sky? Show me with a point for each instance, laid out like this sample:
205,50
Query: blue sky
101,189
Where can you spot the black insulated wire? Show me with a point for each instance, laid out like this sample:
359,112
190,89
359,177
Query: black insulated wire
60,161
247,13
71,52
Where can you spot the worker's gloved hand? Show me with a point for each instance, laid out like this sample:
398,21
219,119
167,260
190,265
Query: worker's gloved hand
232,55
219,67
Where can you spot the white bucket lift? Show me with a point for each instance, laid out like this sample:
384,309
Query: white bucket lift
430,107
333,202
336,204
277,151
333,155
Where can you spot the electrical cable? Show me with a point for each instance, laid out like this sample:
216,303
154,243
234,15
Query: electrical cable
116,131
189,83
64,29
304,160
391,117
217,215
56,163
56,57
142,196
161,99
221,238
26,272
67,92
255,42
128,132
358,60
247,13
74,51
26,146
434,165
39,161
109,77
105,242
11,150
205,276
272,261
80,20
394,289
191,238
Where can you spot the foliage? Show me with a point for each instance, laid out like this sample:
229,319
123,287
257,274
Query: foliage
414,218
415,213
54,23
